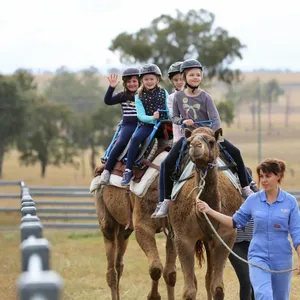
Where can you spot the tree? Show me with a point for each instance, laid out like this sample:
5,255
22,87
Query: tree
235,93
272,91
226,111
13,107
46,140
81,92
88,132
191,35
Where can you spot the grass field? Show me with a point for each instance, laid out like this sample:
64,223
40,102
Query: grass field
80,259
79,256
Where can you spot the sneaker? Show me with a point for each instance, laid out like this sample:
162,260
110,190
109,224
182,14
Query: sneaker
104,178
156,210
164,209
127,175
246,192
254,187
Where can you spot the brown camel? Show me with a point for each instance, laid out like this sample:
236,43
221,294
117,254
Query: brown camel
115,207
191,230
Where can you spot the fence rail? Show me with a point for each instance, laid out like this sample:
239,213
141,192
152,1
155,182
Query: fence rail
58,207
37,281
68,211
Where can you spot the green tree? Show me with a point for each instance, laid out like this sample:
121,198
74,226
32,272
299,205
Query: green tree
272,91
81,92
226,111
235,93
12,114
46,139
191,35
90,132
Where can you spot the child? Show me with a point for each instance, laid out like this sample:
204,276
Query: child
177,81
190,105
149,100
130,79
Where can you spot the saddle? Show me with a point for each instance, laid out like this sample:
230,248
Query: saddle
152,147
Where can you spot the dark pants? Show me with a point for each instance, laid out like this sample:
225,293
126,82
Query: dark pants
122,141
241,168
167,167
140,135
242,270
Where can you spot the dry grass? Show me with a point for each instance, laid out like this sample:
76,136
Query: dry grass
80,259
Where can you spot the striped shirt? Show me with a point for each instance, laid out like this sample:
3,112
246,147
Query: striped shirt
245,233
127,102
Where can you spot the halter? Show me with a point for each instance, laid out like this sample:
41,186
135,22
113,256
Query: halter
210,164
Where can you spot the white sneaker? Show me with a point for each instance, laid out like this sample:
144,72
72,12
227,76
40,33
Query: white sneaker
246,192
156,210
164,209
104,178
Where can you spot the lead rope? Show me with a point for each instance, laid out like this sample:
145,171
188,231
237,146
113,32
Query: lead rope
201,187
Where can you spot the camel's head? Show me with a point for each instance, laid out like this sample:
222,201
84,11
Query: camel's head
203,147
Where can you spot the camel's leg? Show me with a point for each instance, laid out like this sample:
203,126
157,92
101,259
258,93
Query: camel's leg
145,236
170,267
111,274
219,256
208,276
123,238
185,251
109,228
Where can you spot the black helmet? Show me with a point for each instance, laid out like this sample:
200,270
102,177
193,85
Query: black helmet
189,64
150,69
174,69
130,72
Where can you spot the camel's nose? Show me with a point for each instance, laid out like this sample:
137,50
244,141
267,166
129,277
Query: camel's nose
196,143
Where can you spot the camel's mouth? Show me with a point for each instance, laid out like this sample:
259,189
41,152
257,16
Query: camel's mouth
195,153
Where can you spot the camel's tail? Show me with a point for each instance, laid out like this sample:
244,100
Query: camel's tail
199,252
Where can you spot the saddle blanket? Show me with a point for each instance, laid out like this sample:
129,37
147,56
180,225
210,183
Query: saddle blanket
139,189
188,170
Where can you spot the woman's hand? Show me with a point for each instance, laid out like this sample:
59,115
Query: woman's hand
113,80
298,271
156,115
188,122
202,206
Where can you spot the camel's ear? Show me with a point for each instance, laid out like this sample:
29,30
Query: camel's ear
187,132
218,133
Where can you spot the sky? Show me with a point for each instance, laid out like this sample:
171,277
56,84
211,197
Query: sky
46,34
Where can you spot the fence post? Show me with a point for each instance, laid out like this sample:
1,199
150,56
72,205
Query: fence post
37,281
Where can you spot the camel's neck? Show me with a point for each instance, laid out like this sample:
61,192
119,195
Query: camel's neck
210,192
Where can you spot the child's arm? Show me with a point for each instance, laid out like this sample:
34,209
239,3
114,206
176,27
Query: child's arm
213,113
141,114
109,99
167,105
176,117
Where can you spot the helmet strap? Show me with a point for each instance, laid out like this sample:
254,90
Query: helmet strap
193,88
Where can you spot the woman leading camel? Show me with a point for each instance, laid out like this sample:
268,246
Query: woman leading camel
275,213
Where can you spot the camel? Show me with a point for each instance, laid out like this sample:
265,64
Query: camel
191,230
119,213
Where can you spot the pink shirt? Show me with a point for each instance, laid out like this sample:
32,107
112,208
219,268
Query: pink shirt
177,133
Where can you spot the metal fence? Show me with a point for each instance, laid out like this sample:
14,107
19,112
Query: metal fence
58,207
37,281
64,207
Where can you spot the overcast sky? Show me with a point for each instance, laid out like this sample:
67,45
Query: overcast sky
46,34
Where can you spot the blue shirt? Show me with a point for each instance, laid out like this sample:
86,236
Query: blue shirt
272,224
